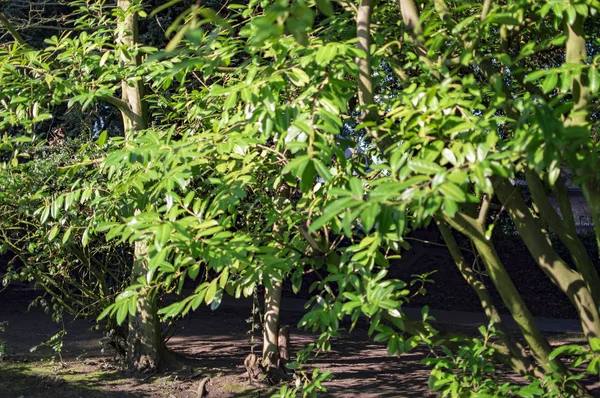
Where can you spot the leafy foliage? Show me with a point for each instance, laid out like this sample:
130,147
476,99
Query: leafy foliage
260,164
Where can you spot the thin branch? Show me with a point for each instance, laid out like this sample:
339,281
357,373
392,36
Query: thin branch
487,5
15,34
410,15
427,242
483,211
122,107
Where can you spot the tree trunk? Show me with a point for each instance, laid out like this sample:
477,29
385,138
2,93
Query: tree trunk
132,91
145,345
510,296
144,340
566,234
568,280
284,343
271,322
522,363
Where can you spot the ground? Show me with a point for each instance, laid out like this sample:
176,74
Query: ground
208,343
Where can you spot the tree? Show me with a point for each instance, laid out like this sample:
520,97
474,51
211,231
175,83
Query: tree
144,337
277,148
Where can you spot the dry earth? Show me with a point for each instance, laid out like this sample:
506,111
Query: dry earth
208,343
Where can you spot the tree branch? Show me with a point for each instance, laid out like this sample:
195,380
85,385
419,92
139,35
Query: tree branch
410,15
485,10
122,106
366,97
11,29
521,361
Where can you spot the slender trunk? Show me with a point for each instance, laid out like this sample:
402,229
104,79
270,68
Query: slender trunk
132,91
145,343
510,296
591,192
564,204
568,280
410,15
568,236
576,53
144,340
366,97
271,322
521,362
284,343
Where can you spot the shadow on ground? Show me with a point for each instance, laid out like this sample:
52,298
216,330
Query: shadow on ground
18,380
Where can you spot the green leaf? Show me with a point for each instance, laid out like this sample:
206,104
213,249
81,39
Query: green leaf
453,192
325,7
85,237
550,82
308,177
571,349
132,304
104,58
122,313
211,291
356,186
298,77
322,170
223,278
105,312
571,14
102,138
230,101
503,19
297,164
594,366
162,235
449,156
424,167
368,216
332,210
53,232
67,235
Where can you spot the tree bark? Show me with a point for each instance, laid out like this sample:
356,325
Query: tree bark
522,362
366,97
567,235
510,296
145,345
271,322
568,280
410,15
144,340
132,91
283,341
576,54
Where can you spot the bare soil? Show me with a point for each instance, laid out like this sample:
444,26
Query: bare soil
208,344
